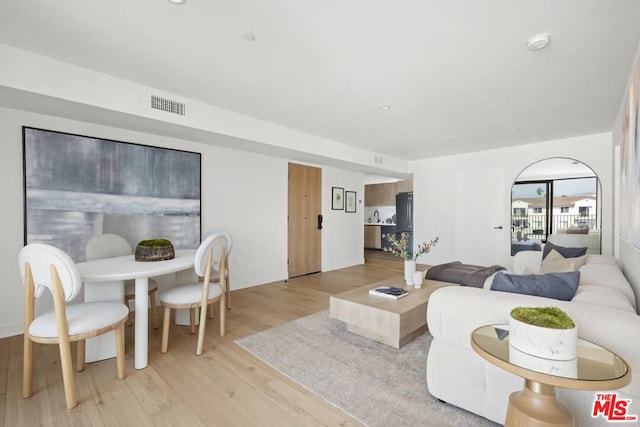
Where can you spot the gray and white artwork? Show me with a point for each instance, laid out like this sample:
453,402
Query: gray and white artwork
77,187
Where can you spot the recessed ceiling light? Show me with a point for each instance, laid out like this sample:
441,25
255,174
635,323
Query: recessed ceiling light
248,37
385,107
177,1
539,41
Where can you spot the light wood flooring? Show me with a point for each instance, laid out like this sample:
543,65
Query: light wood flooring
226,386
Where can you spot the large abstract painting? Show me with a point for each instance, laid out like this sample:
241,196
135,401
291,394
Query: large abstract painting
634,171
626,165
80,186
630,164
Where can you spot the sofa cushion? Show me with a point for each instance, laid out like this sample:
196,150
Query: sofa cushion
560,286
603,259
603,296
607,276
556,263
566,252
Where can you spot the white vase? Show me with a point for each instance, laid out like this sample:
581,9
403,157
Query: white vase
409,268
556,344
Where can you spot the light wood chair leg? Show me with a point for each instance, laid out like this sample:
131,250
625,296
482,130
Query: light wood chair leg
120,351
27,350
228,292
222,315
129,317
192,320
67,374
210,308
27,366
201,329
80,347
154,315
165,330
63,339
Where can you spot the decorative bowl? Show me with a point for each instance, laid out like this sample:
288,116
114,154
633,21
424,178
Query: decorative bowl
154,250
555,344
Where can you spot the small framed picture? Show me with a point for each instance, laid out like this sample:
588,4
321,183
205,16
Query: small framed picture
337,198
350,201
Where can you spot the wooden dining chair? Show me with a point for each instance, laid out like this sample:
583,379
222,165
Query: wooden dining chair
113,245
215,275
46,267
210,256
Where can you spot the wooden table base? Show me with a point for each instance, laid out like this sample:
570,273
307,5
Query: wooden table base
536,406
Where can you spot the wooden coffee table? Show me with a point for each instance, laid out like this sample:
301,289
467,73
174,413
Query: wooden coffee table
391,322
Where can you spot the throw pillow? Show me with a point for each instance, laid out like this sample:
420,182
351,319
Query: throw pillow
562,286
565,252
556,263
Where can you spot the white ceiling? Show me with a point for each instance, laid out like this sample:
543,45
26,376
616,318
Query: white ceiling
456,73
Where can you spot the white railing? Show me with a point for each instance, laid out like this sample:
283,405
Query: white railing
534,226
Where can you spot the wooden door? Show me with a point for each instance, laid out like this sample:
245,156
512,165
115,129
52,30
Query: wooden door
305,205
481,229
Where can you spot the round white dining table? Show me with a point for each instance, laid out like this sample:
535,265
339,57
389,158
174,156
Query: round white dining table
125,268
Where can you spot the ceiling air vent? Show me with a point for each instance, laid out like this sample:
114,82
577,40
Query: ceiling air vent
168,105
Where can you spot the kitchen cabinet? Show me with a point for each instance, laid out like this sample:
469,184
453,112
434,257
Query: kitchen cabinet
385,194
380,194
387,229
372,237
405,186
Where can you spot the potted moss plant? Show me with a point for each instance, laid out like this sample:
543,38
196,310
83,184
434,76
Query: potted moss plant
546,332
154,250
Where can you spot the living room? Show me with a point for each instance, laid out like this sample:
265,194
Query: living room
243,184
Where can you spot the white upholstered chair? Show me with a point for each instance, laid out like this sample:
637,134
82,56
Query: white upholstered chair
46,267
210,257
113,245
215,275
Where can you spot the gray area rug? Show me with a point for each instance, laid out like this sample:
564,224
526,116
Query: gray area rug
372,382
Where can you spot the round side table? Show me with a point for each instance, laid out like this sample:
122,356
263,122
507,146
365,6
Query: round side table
595,368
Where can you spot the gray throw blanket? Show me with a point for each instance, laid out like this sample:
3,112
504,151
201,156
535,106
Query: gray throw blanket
463,274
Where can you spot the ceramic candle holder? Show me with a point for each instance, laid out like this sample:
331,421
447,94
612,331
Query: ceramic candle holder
417,279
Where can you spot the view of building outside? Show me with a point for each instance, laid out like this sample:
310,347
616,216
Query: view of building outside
557,206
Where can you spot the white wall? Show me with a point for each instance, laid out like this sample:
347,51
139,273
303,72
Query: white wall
342,232
434,186
243,192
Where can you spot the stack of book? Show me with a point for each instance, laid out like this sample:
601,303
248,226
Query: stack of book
391,292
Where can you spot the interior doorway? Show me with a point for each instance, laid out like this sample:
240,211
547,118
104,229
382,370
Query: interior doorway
480,216
304,220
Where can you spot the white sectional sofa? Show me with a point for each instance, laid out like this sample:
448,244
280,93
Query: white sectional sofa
603,308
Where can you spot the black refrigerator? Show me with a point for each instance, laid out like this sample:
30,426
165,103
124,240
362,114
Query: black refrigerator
404,217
